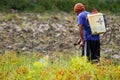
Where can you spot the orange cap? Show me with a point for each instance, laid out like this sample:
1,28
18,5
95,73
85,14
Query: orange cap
79,7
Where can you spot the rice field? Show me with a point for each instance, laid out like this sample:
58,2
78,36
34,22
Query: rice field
34,66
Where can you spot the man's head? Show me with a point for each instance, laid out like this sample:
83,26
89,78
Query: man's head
78,8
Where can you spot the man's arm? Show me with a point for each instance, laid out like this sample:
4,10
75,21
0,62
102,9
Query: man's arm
81,32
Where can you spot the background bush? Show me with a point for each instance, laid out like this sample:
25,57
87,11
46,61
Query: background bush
56,5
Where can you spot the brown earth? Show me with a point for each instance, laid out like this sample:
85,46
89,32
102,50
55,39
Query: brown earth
46,33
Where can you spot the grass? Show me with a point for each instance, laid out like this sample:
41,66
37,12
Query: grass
41,67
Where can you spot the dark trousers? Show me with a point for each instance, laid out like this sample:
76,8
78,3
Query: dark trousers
91,49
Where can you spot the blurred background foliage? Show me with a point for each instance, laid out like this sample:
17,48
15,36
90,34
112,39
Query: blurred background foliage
57,5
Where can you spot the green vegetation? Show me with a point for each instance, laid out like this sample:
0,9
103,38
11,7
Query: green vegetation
41,67
56,5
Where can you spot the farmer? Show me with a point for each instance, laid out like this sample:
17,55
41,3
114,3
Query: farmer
91,43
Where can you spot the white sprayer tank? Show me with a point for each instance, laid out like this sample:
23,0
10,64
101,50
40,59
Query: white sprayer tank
97,23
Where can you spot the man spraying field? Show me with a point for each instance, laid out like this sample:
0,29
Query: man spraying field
90,42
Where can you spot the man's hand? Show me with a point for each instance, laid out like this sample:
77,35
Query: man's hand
81,43
77,42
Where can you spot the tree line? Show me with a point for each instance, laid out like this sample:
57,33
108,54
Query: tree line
57,5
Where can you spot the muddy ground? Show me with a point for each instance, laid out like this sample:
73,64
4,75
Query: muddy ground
46,33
